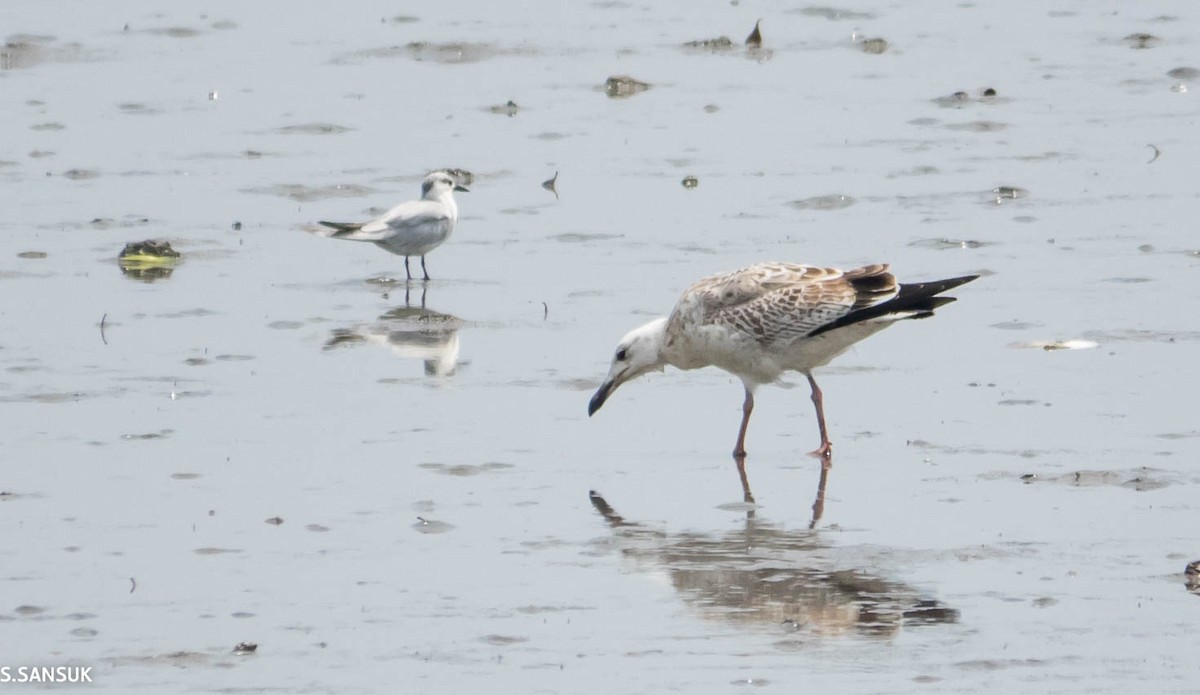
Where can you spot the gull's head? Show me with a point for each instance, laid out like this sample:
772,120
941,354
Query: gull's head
438,184
639,352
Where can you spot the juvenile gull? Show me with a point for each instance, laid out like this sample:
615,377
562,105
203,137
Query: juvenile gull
759,322
410,229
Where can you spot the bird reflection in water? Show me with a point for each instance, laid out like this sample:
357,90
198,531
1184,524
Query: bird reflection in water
411,333
818,506
765,575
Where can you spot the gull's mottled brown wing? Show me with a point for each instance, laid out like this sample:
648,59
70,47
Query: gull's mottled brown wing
776,303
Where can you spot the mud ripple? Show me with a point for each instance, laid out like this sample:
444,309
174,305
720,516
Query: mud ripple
313,129
80,174
1139,479
1184,73
1147,336
173,32
978,126
21,51
720,43
179,659
581,237
502,640
943,243
303,193
432,526
834,201
833,14
451,53
137,109
464,470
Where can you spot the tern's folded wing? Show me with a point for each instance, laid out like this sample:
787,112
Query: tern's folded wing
418,216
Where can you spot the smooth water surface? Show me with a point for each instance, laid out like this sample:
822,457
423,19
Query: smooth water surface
386,487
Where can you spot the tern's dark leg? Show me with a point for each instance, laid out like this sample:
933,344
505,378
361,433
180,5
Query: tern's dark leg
407,274
739,449
826,449
426,272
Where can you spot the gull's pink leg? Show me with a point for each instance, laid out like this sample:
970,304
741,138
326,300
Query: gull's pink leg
747,496
739,449
826,449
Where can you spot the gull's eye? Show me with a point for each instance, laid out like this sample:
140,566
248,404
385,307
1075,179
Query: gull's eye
621,355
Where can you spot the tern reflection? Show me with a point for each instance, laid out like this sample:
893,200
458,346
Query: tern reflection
410,332
767,575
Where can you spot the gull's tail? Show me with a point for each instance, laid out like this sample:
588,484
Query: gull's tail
912,301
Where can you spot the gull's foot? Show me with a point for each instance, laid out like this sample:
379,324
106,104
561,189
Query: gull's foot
739,453
823,452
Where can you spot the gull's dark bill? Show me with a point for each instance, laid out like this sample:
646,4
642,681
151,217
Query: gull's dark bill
602,395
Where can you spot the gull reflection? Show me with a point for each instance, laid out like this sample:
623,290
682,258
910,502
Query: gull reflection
410,333
767,575
818,506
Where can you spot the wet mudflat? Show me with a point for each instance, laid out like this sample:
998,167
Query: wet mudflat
274,440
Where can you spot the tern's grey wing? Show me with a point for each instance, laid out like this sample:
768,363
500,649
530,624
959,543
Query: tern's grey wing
420,217
775,303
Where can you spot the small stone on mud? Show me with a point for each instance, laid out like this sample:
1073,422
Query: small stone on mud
622,86
1003,193
1010,192
1191,575
721,43
690,182
430,526
1142,40
80,174
462,177
510,109
755,39
149,251
874,46
245,648
834,201
274,521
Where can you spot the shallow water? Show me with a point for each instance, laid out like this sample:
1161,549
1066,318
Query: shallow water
272,444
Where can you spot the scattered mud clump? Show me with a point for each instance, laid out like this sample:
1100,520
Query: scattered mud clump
623,86
149,260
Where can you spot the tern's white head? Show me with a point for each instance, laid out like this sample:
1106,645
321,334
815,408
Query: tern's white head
639,352
438,184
